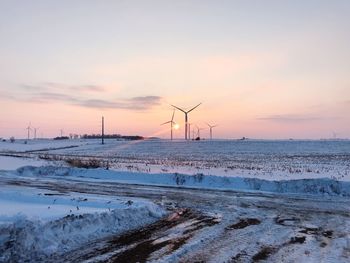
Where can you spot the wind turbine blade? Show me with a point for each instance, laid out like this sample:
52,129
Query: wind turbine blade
166,122
194,108
178,108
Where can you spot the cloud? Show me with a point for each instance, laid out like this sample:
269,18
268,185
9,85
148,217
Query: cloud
59,93
290,118
135,103
61,87
51,96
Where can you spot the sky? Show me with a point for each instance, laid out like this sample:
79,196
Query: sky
261,69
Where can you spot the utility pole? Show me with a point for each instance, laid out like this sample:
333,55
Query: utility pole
103,130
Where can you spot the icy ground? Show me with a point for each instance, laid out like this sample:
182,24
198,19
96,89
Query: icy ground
161,201
201,225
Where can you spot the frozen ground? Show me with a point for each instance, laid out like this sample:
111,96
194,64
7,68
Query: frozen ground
201,225
161,201
270,160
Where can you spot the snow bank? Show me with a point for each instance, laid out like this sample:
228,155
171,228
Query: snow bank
34,223
321,186
34,240
22,145
11,163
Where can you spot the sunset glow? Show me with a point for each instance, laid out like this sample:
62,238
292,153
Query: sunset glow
262,69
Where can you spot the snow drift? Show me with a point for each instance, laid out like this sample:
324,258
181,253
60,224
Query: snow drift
321,186
35,240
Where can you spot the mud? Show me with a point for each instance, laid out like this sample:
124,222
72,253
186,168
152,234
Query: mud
243,223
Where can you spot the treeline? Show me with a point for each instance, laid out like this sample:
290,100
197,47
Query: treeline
113,136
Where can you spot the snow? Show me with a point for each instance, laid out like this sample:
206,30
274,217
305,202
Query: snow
22,145
41,222
269,160
309,176
11,163
321,186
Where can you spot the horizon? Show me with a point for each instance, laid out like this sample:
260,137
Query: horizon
268,70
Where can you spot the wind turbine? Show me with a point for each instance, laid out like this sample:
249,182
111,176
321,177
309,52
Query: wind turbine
211,130
186,117
335,135
198,131
35,129
29,129
171,125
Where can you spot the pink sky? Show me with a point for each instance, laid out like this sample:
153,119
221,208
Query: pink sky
269,70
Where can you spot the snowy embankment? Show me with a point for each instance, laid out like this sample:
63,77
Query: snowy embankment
35,223
321,186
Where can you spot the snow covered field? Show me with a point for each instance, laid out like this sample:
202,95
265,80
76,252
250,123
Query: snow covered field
275,200
270,160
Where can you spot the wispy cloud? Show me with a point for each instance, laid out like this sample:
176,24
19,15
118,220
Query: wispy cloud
50,92
61,87
135,103
290,118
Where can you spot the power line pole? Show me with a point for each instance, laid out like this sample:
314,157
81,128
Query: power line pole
103,130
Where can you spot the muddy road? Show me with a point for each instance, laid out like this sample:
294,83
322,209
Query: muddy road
214,226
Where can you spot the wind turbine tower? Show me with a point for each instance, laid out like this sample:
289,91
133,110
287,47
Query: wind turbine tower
211,130
35,129
28,129
186,118
198,131
171,125
103,130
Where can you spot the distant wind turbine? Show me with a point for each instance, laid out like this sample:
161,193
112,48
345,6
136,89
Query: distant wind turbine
198,131
29,129
211,130
335,135
186,117
171,125
193,132
35,129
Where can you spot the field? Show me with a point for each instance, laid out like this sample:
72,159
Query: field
163,201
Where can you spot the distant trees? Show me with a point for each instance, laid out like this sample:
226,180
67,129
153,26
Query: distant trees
61,138
12,139
112,136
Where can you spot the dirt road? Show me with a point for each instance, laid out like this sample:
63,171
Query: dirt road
215,226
